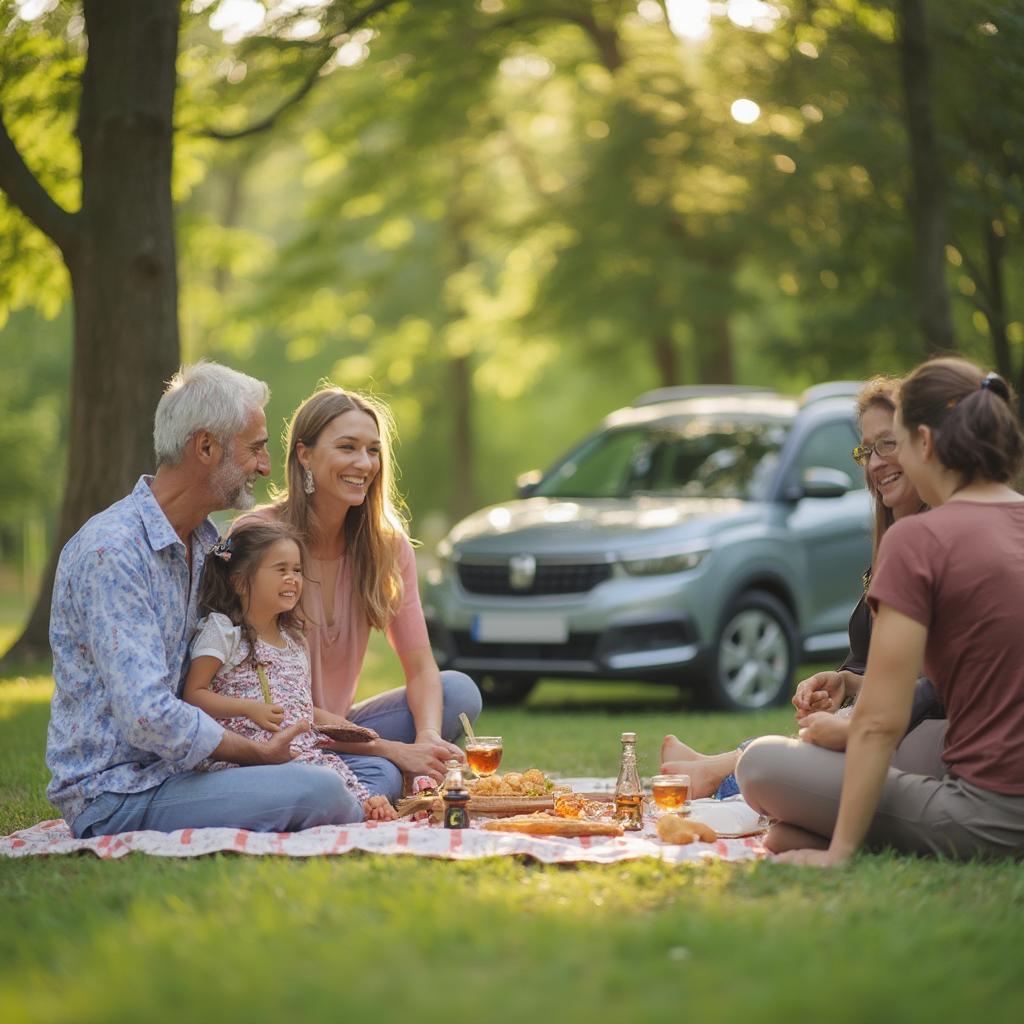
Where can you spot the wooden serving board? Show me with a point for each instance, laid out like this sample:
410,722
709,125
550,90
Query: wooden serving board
491,806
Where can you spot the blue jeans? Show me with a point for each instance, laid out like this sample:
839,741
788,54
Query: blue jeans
389,716
262,798
729,786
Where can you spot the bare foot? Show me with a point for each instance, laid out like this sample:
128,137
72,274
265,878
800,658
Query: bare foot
706,772
673,749
782,837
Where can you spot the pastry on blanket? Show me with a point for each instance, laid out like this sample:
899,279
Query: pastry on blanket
680,831
575,805
544,824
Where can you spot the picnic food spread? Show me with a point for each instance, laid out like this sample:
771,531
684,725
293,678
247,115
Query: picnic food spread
531,803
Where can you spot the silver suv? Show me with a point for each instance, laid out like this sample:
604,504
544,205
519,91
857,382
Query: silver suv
706,537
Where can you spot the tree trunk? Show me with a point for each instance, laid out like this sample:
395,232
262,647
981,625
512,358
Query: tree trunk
713,341
928,204
460,375
122,265
996,311
666,359
460,366
231,212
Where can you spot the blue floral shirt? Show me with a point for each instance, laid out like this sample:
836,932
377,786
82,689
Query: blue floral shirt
124,610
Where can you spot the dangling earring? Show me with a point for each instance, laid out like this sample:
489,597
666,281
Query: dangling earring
308,485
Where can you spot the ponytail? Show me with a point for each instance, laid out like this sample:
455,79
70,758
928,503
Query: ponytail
972,416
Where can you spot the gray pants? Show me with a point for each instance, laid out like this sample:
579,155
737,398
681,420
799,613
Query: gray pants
923,809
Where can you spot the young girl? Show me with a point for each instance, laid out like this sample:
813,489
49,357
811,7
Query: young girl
250,665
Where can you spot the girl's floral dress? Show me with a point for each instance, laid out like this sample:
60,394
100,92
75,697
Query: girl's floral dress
288,675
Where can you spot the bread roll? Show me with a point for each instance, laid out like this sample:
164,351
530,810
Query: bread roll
681,831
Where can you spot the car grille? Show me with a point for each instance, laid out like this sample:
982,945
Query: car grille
579,647
549,579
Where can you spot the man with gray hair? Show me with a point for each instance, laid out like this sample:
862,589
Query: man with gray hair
122,747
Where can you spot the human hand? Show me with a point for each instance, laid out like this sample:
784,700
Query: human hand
425,756
824,691
824,729
433,736
378,808
811,858
278,749
267,716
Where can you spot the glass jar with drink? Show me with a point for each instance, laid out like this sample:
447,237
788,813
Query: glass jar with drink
483,754
671,793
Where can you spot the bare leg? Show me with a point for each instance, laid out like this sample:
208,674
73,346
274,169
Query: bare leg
782,837
706,771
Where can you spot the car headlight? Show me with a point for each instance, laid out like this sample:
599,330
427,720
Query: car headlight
443,564
658,565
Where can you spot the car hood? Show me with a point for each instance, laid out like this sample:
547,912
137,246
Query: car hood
549,526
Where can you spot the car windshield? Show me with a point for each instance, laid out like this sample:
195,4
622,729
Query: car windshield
692,457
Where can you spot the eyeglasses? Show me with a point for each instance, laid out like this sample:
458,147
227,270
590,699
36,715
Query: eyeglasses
883,448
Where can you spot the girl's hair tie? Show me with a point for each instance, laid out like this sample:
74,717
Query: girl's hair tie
993,382
222,549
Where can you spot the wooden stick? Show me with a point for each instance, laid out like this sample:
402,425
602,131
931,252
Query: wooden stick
261,672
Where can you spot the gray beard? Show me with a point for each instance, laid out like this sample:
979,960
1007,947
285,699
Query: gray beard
231,489
242,500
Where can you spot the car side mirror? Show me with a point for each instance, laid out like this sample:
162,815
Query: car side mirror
526,483
821,482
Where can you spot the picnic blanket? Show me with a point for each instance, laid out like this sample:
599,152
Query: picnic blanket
411,838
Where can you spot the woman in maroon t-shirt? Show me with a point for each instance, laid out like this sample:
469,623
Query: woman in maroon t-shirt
819,697
947,591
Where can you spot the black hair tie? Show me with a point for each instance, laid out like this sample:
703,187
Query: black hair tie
993,382
223,549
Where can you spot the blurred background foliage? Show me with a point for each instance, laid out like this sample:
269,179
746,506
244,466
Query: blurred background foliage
508,217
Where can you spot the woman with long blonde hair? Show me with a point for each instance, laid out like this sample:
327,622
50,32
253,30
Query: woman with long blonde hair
340,497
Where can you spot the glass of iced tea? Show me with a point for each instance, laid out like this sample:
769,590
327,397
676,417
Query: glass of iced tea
671,793
483,753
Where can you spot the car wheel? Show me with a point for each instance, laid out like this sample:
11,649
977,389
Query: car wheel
505,690
755,654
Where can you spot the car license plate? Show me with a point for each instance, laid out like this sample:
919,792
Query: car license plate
506,627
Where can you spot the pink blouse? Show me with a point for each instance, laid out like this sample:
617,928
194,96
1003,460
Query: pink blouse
337,649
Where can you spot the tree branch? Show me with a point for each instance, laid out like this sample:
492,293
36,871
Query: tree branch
28,195
325,53
605,40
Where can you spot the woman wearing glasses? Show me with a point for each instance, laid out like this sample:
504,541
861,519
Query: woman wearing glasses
947,592
818,698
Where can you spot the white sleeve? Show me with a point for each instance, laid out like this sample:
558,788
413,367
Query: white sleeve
217,637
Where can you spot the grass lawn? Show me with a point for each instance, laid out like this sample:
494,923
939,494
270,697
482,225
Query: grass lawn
393,939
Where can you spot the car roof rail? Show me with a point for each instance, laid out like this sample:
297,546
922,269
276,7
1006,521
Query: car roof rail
675,394
832,389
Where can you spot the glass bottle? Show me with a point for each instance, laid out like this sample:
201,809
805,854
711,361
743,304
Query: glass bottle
456,797
629,794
